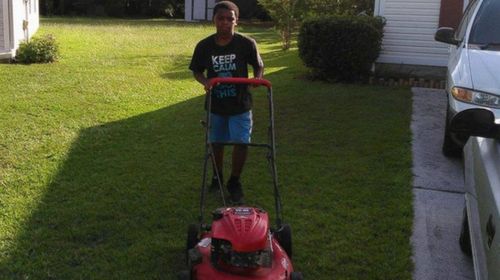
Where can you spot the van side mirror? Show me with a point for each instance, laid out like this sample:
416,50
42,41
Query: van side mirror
446,35
475,122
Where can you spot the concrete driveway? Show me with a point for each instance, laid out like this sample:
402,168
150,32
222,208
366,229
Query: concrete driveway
438,189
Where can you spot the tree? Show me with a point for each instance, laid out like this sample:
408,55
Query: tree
339,7
286,14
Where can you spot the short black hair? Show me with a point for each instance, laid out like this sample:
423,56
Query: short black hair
227,5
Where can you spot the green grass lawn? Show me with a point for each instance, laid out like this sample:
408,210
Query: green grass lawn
101,159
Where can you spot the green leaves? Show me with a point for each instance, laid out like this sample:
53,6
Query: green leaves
38,50
340,48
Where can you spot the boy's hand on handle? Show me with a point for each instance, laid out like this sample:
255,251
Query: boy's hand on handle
207,87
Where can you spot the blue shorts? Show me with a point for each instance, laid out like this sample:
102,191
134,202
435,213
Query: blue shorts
234,129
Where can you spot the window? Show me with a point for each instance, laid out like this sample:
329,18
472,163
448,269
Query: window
486,27
464,23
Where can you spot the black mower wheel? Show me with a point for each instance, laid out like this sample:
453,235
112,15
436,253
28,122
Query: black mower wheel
284,237
464,240
184,275
193,233
296,276
192,236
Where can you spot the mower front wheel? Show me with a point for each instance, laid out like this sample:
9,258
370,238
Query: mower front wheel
284,237
193,238
296,276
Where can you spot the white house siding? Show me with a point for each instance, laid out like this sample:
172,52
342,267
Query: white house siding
409,32
14,13
198,9
20,12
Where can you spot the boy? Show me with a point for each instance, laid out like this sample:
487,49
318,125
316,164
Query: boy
227,54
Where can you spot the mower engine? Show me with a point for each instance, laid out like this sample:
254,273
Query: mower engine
238,245
241,238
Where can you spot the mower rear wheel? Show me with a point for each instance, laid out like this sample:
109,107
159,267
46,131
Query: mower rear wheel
296,276
192,236
193,233
284,237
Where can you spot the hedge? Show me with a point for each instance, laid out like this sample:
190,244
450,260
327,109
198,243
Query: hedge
38,50
340,48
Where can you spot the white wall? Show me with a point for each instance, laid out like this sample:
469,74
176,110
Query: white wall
20,11
409,32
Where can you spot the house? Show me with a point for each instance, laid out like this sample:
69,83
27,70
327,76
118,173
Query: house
19,20
202,10
195,10
408,42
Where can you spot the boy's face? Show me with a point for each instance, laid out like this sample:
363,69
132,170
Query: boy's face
225,21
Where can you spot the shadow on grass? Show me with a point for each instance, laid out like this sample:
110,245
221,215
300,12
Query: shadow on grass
119,205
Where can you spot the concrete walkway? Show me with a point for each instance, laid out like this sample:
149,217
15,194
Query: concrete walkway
438,194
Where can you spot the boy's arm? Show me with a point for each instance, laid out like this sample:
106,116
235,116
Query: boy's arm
258,72
200,77
256,62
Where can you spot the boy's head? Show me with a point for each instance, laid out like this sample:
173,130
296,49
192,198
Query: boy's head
227,5
226,17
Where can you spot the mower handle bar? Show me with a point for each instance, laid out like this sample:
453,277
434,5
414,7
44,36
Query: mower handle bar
246,81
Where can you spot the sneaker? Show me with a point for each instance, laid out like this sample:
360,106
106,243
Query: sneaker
235,192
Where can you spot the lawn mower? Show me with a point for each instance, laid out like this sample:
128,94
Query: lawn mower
240,243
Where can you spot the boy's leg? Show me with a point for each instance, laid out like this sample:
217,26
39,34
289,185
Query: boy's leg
219,133
240,153
240,129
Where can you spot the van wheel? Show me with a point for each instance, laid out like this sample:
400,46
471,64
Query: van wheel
192,239
464,240
450,147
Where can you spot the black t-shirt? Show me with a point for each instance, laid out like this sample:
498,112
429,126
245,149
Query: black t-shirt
227,61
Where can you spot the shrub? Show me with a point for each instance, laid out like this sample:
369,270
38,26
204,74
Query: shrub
340,48
38,50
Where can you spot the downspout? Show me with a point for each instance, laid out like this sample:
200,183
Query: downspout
26,21
10,23
192,10
378,9
206,9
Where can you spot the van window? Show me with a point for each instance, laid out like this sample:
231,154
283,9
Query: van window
486,27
